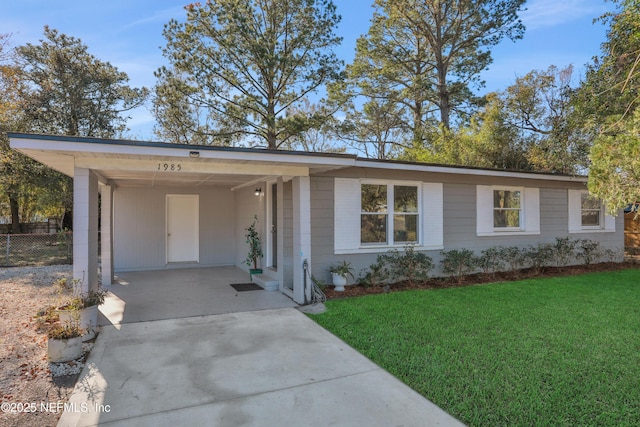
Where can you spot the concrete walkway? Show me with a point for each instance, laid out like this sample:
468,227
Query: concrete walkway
260,368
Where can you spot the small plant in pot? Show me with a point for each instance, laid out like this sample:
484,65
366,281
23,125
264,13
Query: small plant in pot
84,306
340,274
255,247
64,342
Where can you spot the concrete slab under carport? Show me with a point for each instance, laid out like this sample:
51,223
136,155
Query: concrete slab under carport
142,296
262,368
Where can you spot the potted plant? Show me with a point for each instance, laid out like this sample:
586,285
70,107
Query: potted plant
255,247
64,342
340,274
82,305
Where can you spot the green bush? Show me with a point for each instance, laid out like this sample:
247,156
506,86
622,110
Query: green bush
514,257
491,260
539,256
589,251
376,275
458,263
564,250
409,265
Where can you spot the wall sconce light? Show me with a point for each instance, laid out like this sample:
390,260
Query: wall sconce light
194,154
258,191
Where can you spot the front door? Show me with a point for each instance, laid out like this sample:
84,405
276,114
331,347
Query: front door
183,228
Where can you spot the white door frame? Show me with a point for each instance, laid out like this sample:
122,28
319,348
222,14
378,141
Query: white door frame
194,220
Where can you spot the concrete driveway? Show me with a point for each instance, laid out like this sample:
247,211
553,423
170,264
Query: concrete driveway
260,368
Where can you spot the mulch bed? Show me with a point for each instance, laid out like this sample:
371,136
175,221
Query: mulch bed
480,278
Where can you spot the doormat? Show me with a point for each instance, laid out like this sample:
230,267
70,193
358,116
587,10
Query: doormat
242,287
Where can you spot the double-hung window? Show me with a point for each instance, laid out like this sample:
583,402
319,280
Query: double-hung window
587,214
389,214
590,211
507,209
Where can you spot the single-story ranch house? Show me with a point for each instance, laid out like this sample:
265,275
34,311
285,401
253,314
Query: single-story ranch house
168,206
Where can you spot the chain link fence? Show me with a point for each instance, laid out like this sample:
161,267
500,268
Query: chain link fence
18,250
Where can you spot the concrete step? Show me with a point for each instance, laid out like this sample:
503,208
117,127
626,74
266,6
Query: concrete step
268,283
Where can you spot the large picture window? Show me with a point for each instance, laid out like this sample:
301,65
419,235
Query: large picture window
389,214
507,209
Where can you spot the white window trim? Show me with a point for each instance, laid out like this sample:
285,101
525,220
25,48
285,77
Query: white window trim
347,210
390,212
521,210
529,212
574,201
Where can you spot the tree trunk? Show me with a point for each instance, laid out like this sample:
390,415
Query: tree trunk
16,227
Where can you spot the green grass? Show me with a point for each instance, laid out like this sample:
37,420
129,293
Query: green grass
554,351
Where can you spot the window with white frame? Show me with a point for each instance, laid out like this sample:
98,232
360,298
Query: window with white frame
507,209
587,214
590,211
372,215
389,214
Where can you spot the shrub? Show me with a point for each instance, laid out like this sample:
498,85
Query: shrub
458,263
539,256
564,250
491,260
514,257
589,251
376,275
411,266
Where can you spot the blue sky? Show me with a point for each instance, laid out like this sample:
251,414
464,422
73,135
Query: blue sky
128,34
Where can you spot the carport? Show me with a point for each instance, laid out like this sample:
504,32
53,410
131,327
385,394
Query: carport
171,206
143,296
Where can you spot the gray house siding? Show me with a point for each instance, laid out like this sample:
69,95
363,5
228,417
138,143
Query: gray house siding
460,216
140,227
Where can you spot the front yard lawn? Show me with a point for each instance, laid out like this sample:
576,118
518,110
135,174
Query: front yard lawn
553,351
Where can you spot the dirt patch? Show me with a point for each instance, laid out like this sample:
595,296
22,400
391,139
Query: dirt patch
476,279
25,376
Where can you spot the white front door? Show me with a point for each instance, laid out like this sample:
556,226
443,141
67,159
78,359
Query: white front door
183,228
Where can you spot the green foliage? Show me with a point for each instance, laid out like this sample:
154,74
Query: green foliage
589,251
408,265
564,250
70,92
491,260
458,263
255,244
535,352
539,256
376,275
514,257
416,65
343,269
615,168
65,331
238,70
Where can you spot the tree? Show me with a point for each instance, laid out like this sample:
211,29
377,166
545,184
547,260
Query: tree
56,87
608,100
425,55
319,137
539,106
237,66
71,92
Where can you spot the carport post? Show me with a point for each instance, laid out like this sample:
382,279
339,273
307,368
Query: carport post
106,235
301,235
85,228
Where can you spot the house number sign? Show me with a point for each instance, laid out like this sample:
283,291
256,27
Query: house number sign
170,167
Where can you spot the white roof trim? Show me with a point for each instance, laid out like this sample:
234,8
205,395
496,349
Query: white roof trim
465,171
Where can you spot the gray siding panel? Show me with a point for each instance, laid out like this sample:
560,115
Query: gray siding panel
140,227
459,221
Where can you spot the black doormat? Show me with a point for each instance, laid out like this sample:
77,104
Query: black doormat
242,287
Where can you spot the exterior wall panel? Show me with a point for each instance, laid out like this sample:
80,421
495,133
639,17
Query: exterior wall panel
140,227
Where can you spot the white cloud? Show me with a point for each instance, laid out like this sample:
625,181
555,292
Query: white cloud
550,13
